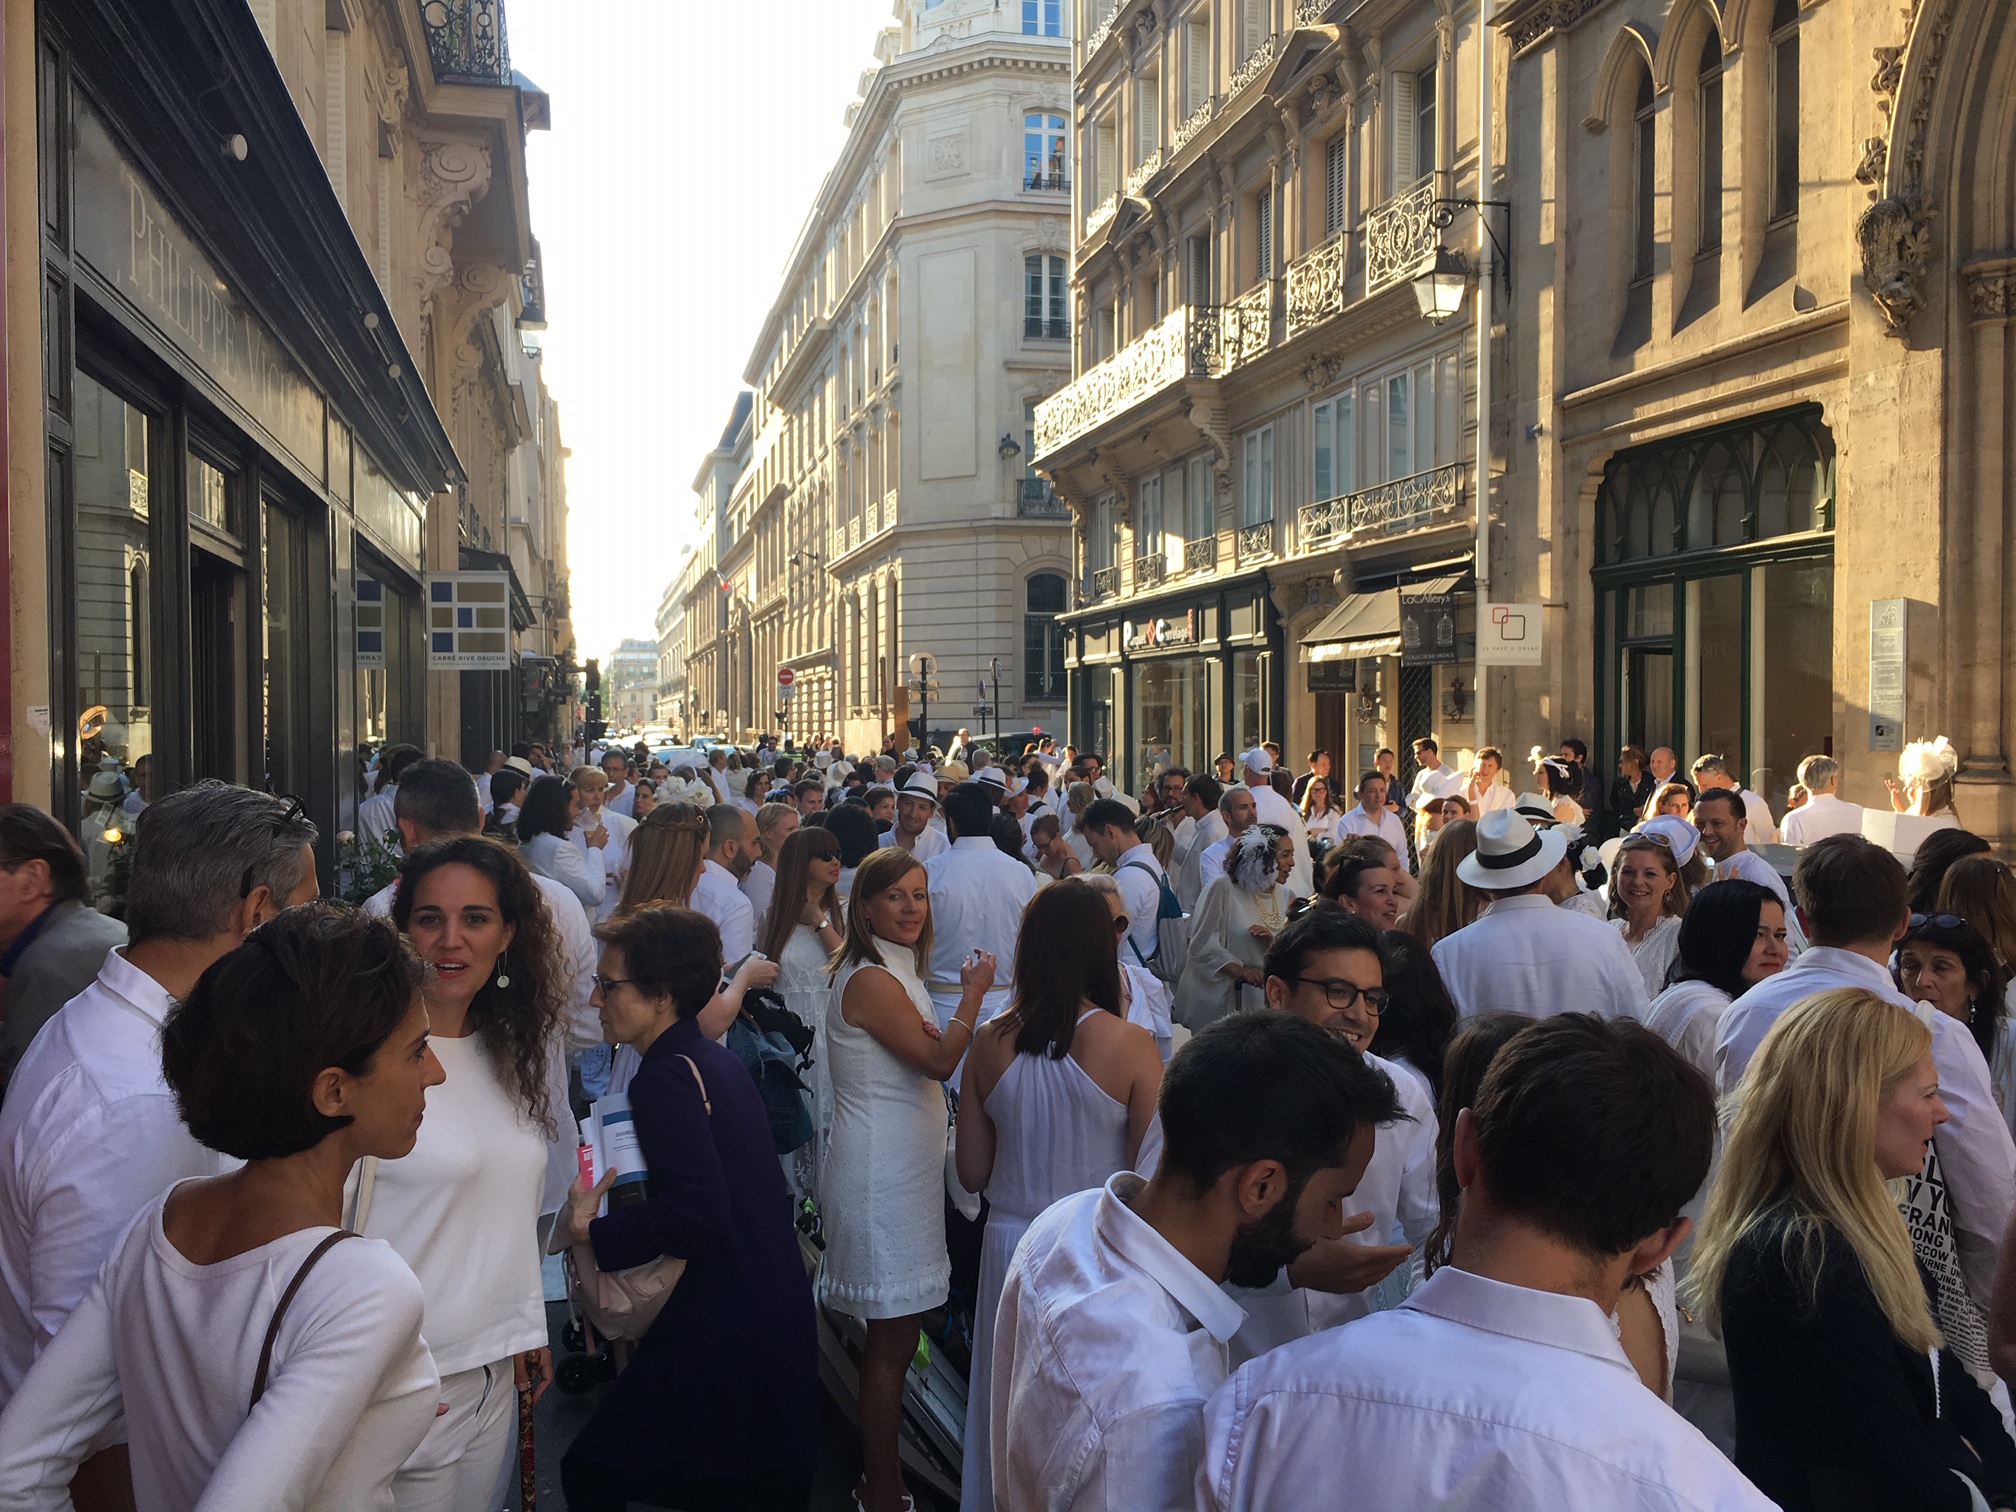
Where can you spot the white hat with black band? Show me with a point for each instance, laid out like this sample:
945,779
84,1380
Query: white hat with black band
1511,853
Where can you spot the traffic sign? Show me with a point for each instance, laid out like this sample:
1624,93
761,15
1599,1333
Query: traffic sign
786,677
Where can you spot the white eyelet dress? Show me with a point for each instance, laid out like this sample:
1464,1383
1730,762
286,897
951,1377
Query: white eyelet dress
882,1183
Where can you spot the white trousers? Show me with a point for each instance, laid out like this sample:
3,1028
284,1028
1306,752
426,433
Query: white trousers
459,1465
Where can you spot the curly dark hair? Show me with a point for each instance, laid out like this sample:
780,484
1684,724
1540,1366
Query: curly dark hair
519,1023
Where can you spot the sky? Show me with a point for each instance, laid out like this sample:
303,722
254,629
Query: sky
689,137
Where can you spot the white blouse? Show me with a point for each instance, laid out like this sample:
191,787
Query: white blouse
350,1393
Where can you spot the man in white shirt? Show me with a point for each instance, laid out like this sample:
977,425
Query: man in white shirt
718,893
1372,817
89,1134
1824,812
1112,1330
1524,953
1271,808
1854,905
1500,1385
374,814
716,774
1203,826
775,823
1435,780
1724,827
916,807
1109,830
1482,789
1239,813
977,898
622,795
1712,772
491,768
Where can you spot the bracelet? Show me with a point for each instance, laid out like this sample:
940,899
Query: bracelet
959,1023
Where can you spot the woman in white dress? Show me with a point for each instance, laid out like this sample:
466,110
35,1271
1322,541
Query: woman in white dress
1732,938
882,1180
552,805
1648,898
299,1052
1057,1096
1237,916
801,940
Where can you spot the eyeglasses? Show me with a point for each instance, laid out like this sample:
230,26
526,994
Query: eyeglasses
1937,921
1341,995
826,855
287,815
605,985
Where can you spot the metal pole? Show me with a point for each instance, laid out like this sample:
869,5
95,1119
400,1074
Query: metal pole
1486,282
994,662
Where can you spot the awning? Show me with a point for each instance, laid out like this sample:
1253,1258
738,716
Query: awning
1366,624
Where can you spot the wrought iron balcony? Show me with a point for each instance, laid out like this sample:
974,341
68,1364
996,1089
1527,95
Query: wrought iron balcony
1416,502
1399,236
1104,29
1316,284
1150,570
1035,328
1255,542
1150,166
1183,344
1037,500
466,41
1039,177
1246,326
1105,583
1103,212
1200,555
1310,12
1256,64
1193,123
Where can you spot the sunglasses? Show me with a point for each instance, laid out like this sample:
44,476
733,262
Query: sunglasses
826,855
281,820
1937,921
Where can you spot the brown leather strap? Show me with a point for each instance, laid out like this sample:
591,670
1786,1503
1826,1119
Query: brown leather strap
287,1297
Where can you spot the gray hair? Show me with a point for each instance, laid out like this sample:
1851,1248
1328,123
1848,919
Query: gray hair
1713,764
1080,796
199,853
1816,772
1100,883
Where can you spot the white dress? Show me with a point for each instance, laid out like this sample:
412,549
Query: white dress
1056,1131
882,1181
1218,935
803,984
1688,1016
1653,955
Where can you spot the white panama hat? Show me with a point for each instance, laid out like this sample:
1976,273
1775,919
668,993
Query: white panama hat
1511,853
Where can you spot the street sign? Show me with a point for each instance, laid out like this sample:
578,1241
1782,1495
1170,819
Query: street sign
1508,635
787,683
1886,674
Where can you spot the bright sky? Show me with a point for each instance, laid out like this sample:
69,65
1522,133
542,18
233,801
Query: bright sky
688,139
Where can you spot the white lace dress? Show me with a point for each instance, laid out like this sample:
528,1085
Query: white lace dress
882,1179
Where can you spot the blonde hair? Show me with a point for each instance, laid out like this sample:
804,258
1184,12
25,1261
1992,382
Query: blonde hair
1802,1143
666,852
882,870
587,778
1678,893
1446,902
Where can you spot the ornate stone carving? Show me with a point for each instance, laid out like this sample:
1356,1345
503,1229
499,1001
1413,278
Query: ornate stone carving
945,155
1895,238
454,174
1889,73
1928,55
1321,372
1050,235
1875,157
1554,15
1991,287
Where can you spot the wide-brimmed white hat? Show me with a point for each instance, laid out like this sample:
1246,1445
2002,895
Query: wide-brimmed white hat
519,765
1511,853
1536,808
921,785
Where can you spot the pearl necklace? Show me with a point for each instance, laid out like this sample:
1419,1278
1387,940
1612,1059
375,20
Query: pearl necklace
1272,915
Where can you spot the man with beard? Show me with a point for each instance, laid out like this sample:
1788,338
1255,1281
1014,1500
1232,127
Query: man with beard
1113,1331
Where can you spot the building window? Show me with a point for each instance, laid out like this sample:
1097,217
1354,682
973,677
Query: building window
1042,18
1043,639
1200,500
1709,104
1414,136
1338,157
1335,448
1148,114
1044,296
1103,545
1646,187
1423,413
1043,152
1263,234
1106,136
1197,269
1197,61
1256,504
1252,27
1785,109
1148,540
1106,331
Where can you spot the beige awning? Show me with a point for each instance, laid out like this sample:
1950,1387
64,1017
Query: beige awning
1365,624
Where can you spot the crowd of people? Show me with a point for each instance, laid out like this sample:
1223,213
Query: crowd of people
1275,1131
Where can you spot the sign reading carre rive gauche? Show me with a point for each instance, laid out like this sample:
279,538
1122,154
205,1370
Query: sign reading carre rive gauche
1427,629
1886,674
1508,635
469,622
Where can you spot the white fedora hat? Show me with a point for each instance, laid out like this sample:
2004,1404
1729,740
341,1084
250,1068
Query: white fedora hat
921,785
1511,853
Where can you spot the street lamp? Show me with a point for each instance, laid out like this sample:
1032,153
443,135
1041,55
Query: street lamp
1439,286
1009,448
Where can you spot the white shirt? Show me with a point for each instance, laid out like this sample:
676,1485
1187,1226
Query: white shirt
375,819
977,898
1976,1153
1820,816
929,842
624,803
719,896
483,791
612,858
1524,955
1190,878
1497,796
1688,1016
1398,1189
1472,1394
1761,827
1142,892
1747,866
1385,825
1271,808
758,887
1433,784
350,1392
1106,1347
557,857
1654,954
89,1136
1211,862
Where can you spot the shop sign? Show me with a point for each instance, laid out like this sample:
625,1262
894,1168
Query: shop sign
1508,635
1427,629
1333,676
1149,635
469,622
1886,674
370,624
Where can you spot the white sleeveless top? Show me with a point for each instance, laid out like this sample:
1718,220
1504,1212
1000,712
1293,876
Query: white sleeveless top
1056,1132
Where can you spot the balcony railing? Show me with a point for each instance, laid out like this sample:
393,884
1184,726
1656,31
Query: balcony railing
1150,166
1255,542
1039,177
1183,344
1150,570
1256,64
1193,123
1310,12
1104,29
1035,328
1316,284
1427,498
466,41
1246,326
1103,212
1105,582
1399,236
1037,500
1200,555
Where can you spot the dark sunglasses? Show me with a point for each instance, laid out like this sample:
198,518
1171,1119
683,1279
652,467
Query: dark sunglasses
293,810
1937,921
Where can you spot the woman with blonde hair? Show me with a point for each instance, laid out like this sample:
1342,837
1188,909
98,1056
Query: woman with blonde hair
667,852
1648,897
1844,1391
1446,902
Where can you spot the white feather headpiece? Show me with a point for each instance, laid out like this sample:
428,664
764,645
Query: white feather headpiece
1253,862
1925,761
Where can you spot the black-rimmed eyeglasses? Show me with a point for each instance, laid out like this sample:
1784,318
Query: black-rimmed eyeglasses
1341,995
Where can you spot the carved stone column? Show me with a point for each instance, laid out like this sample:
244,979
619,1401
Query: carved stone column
1990,287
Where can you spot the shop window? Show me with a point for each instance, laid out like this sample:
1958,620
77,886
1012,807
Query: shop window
1249,699
116,670
284,642
1044,599
1256,503
1739,484
1334,447
1172,716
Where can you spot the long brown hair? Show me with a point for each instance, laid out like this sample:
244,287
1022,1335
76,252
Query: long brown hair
1678,894
1466,1058
794,880
1446,902
1065,957
666,852
518,1023
882,870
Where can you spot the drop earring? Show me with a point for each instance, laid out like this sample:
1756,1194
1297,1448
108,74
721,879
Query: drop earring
503,972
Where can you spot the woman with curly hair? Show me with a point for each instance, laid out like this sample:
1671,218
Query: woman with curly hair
1237,916
463,1208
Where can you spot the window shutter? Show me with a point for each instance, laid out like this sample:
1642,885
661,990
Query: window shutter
1255,29
1147,115
335,112
1263,244
1199,37
1321,446
1333,188
1108,173
1405,162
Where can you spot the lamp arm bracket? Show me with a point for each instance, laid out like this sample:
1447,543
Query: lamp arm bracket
1442,215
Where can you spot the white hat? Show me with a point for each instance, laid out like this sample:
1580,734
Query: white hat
921,785
1679,836
1511,853
519,765
1538,809
822,760
1257,760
